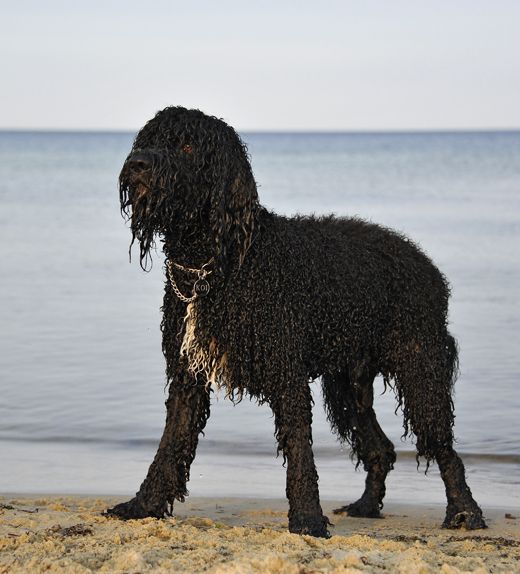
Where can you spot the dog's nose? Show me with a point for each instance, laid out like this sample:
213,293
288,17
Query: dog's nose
138,163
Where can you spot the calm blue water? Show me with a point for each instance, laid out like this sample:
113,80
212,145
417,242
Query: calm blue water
81,371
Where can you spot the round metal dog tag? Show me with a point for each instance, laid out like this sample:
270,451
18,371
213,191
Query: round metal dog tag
201,287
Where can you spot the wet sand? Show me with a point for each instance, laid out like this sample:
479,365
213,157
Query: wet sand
244,536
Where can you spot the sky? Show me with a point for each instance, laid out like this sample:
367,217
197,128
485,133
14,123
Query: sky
264,65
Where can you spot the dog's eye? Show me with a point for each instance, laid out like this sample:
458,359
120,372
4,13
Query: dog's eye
187,147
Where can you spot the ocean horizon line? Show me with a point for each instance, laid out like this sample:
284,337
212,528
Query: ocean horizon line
306,132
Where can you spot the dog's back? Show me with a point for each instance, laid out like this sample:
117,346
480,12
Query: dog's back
349,285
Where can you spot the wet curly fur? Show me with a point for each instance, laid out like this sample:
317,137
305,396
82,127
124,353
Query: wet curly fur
291,300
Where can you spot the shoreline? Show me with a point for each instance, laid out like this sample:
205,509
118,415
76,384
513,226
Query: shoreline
69,534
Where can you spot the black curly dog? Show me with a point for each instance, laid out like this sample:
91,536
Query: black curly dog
261,304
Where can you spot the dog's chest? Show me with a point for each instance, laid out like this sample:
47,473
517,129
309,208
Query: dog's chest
203,360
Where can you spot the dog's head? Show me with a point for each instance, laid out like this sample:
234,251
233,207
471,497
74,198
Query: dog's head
189,172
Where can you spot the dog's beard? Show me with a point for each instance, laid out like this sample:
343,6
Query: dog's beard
154,213
141,205
144,225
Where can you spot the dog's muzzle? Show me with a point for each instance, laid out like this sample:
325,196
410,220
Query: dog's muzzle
136,172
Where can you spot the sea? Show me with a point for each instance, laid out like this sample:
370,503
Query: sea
82,385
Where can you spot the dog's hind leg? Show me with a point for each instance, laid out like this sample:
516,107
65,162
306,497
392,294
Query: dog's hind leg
292,409
187,410
428,406
349,403
462,511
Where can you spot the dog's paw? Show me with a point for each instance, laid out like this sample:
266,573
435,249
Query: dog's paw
464,520
316,527
359,509
133,509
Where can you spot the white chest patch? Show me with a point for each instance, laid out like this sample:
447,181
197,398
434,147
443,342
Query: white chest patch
202,361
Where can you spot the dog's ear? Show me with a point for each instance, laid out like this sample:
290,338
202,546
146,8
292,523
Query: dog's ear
234,205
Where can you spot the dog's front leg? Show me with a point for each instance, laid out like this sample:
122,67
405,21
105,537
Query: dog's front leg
187,410
293,417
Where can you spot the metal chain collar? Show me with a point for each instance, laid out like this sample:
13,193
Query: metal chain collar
200,287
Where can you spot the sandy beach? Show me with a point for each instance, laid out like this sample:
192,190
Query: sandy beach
70,534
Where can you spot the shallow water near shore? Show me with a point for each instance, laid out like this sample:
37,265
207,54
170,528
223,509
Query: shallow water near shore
82,375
